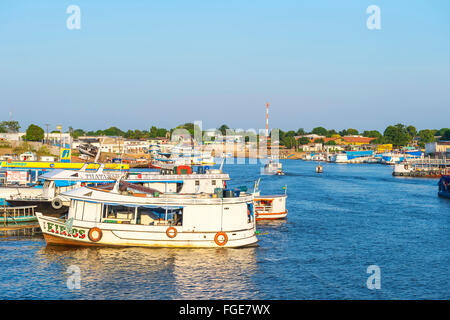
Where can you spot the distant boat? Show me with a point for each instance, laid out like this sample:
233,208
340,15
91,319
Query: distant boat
273,168
444,187
88,149
319,169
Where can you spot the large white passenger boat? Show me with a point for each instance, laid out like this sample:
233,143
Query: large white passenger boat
50,201
124,218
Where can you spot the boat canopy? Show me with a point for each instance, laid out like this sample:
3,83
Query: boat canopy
148,206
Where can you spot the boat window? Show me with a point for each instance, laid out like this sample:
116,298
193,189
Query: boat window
118,214
160,216
213,182
197,182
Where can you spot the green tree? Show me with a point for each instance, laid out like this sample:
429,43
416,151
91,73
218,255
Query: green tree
223,129
9,126
301,132
303,140
412,131
446,135
77,133
441,132
321,131
397,135
352,132
426,136
113,132
289,142
34,133
331,132
330,143
320,140
372,134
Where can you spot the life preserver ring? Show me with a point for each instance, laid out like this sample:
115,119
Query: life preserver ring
95,234
171,232
57,203
401,174
221,239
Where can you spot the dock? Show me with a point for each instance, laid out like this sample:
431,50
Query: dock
424,167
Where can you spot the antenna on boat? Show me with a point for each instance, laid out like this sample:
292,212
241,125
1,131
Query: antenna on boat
221,165
117,184
256,186
98,153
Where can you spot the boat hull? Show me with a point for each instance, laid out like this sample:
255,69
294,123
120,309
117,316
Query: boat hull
444,194
271,216
56,232
44,206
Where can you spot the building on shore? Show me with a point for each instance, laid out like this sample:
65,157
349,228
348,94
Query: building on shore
439,149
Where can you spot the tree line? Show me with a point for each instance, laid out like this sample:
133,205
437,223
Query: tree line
398,135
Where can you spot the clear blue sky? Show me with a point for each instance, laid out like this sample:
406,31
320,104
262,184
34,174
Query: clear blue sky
134,64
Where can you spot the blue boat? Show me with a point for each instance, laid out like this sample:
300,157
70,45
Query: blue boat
444,187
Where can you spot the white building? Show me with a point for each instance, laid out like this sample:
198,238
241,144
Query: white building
440,147
17,136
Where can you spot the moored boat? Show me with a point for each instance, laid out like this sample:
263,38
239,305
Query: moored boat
123,218
444,187
270,207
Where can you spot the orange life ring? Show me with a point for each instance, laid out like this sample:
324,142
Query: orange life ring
171,232
95,234
223,241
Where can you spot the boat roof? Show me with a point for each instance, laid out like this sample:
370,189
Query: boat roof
270,196
97,195
143,177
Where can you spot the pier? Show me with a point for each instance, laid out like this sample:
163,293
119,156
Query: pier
423,167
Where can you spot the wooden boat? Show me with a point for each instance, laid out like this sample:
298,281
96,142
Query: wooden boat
270,207
273,168
125,218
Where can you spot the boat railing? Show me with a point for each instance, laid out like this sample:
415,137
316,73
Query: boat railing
263,208
14,213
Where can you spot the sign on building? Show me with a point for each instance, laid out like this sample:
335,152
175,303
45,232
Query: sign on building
17,176
66,155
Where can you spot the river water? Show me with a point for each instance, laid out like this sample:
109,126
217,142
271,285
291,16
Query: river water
340,222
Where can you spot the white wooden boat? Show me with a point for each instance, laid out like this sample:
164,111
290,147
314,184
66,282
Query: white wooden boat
50,201
270,207
122,218
273,168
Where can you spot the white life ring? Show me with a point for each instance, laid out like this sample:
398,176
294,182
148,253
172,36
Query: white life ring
57,203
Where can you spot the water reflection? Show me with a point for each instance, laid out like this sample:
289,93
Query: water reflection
166,273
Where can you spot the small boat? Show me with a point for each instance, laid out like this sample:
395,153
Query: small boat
273,168
88,149
270,207
444,187
319,169
126,218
